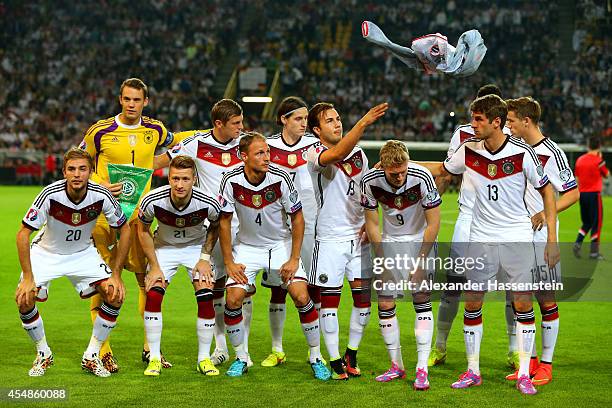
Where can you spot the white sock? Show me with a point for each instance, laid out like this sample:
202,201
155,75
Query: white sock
153,324
247,315
220,341
236,335
36,331
472,336
331,334
525,339
313,338
449,305
389,328
206,331
550,331
511,327
423,332
277,315
360,316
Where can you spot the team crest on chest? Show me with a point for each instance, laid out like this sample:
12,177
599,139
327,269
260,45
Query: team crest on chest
195,220
180,222
508,168
257,200
270,196
411,196
226,158
76,218
492,169
347,168
399,201
148,136
292,159
91,214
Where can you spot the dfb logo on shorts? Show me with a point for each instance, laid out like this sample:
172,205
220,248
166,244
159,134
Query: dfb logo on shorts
323,278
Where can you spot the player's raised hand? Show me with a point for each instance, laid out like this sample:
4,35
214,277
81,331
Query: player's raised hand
25,293
374,114
551,254
204,272
236,272
154,276
288,270
115,188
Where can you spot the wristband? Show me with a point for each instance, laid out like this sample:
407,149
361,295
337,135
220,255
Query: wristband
205,257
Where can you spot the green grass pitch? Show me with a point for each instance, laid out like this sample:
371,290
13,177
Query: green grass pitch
582,374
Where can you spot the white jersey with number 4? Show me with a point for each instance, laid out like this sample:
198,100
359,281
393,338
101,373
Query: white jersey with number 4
557,170
466,193
499,178
68,225
404,207
178,227
262,208
340,215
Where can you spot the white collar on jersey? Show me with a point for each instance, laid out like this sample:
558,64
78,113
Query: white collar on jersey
136,126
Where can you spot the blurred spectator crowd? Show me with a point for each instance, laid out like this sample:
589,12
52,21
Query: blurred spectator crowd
523,58
61,62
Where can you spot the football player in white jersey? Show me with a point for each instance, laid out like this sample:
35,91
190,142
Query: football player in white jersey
337,166
67,211
523,118
288,152
215,152
180,239
501,237
263,198
410,203
449,300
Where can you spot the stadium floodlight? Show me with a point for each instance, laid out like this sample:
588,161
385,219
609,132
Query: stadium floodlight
257,99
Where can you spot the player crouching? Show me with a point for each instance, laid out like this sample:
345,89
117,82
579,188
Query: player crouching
411,220
263,197
180,239
68,210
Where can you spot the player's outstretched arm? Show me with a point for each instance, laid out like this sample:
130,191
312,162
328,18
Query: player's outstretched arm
350,140
161,161
436,169
26,290
289,268
563,203
551,254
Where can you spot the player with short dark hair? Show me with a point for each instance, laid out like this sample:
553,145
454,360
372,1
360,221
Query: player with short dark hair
523,120
449,299
288,151
263,197
126,138
336,167
67,211
180,239
501,233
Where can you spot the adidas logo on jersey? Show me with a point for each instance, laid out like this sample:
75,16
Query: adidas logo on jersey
115,139
208,155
